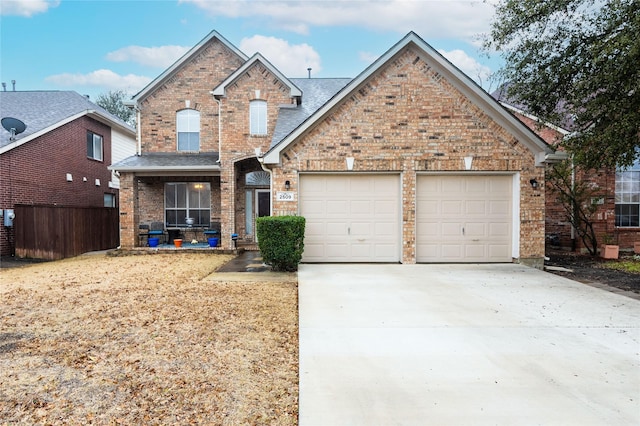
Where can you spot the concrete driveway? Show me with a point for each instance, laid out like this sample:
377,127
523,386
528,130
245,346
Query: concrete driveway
464,344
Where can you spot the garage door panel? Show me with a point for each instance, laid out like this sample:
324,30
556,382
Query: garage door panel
451,207
480,230
451,251
499,229
360,215
475,229
337,207
451,229
333,229
475,207
451,186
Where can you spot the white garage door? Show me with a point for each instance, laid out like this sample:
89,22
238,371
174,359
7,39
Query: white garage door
351,218
464,218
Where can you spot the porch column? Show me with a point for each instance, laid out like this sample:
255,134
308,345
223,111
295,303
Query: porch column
128,196
227,204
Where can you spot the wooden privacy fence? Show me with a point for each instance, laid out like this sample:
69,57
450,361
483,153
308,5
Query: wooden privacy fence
55,232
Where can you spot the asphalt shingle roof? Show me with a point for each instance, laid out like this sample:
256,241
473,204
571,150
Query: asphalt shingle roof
315,93
40,110
169,161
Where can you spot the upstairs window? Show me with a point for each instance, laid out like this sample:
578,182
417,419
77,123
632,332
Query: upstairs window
94,146
258,118
628,197
188,124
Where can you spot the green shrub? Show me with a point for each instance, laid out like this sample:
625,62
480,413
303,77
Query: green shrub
281,241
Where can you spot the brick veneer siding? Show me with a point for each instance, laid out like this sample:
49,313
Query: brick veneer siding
36,172
558,227
238,145
193,82
406,118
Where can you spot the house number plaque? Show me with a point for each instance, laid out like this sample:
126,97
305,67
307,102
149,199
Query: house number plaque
285,196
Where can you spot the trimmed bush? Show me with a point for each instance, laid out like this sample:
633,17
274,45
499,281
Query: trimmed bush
281,241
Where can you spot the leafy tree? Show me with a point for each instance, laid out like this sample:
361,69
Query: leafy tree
577,59
576,198
113,101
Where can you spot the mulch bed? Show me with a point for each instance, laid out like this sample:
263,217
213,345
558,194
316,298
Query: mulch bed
593,269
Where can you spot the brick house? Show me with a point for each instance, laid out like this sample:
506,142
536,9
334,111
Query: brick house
62,156
410,161
616,193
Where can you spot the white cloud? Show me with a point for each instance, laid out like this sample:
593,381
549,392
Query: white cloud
161,57
291,60
103,79
26,8
429,18
474,69
367,57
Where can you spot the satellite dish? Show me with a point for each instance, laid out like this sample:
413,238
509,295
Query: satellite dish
13,126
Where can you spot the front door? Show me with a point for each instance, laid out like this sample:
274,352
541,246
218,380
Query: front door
263,204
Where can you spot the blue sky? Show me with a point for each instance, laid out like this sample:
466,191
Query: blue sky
93,47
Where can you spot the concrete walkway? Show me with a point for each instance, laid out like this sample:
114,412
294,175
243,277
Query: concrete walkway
464,345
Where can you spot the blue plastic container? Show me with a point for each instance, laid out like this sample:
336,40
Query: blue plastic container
153,242
213,242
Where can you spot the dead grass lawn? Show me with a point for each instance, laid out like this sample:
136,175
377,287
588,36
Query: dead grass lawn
155,339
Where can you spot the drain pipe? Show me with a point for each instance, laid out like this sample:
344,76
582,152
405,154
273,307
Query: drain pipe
260,159
138,130
219,102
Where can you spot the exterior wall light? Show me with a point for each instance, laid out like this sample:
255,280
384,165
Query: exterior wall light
534,183
468,162
287,185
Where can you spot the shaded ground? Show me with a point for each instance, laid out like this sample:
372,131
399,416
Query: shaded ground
590,269
152,339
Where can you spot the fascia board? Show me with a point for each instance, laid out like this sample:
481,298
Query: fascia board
165,168
185,58
558,129
454,76
220,90
108,121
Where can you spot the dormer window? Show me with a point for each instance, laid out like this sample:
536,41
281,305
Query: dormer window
258,118
188,126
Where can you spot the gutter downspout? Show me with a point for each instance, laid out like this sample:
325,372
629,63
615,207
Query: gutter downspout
219,102
138,131
260,159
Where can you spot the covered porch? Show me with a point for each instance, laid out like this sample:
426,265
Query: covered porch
192,198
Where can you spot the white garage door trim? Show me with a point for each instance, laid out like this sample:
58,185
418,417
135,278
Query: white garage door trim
464,248
351,217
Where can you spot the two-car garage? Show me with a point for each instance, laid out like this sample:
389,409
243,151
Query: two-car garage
358,217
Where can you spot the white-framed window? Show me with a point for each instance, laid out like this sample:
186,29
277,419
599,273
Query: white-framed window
188,126
187,199
258,117
94,146
628,196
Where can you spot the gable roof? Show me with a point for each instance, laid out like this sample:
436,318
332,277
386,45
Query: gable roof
315,93
184,59
450,72
220,90
501,94
44,111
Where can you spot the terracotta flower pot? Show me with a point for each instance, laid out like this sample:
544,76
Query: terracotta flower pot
609,251
177,242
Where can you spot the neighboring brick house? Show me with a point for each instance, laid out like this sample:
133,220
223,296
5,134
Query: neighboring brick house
616,193
52,161
410,161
